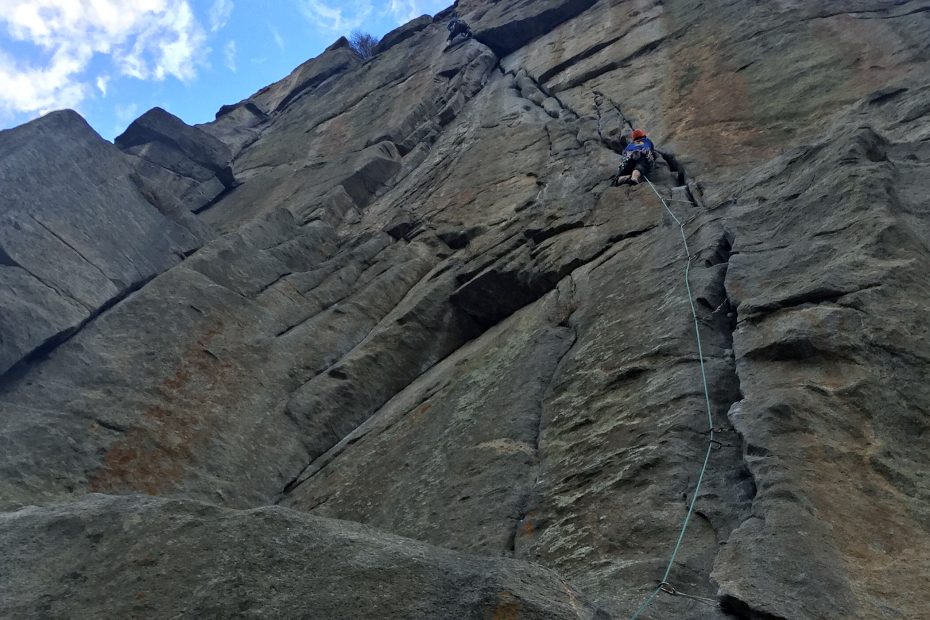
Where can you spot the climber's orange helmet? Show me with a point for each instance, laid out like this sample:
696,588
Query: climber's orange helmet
638,134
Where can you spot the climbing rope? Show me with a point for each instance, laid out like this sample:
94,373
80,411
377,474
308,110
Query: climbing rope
664,585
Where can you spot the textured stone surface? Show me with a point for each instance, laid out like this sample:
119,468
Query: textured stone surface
131,557
177,164
470,469
429,312
403,33
507,26
75,233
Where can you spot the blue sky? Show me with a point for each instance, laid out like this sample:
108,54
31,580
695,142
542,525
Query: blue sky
112,60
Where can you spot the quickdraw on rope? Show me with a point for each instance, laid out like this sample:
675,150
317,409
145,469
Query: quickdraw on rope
664,585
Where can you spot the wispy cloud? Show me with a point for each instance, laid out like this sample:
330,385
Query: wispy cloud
220,12
102,82
405,10
168,44
145,39
229,55
125,114
278,39
348,16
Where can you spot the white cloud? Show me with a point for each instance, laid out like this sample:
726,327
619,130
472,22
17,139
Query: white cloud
168,43
220,12
126,113
102,82
146,39
405,10
229,55
350,15
278,39
30,89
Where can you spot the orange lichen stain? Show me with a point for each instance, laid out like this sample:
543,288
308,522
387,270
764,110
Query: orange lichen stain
508,607
140,596
710,98
330,134
420,411
177,381
152,456
886,556
148,457
528,528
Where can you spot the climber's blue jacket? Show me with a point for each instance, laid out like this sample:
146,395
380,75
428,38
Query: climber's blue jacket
644,145
634,150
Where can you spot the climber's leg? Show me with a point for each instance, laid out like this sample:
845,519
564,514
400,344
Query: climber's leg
639,171
623,173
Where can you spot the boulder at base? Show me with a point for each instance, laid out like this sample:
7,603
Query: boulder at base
135,557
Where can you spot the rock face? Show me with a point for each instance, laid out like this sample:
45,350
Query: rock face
76,235
419,304
177,163
147,557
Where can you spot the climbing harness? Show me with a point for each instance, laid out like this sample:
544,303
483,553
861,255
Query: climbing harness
664,585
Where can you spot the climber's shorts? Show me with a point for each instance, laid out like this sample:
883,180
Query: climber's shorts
640,163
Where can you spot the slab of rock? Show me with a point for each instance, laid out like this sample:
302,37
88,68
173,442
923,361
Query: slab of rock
829,368
125,557
468,471
236,125
176,162
508,26
75,232
318,142
166,140
181,368
402,33
308,77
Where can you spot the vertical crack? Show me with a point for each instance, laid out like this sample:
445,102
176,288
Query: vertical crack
526,502
726,319
598,103
727,496
601,99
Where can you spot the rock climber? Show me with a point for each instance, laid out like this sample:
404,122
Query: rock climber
637,159
456,27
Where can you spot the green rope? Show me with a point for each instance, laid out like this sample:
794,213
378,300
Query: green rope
710,417
646,603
